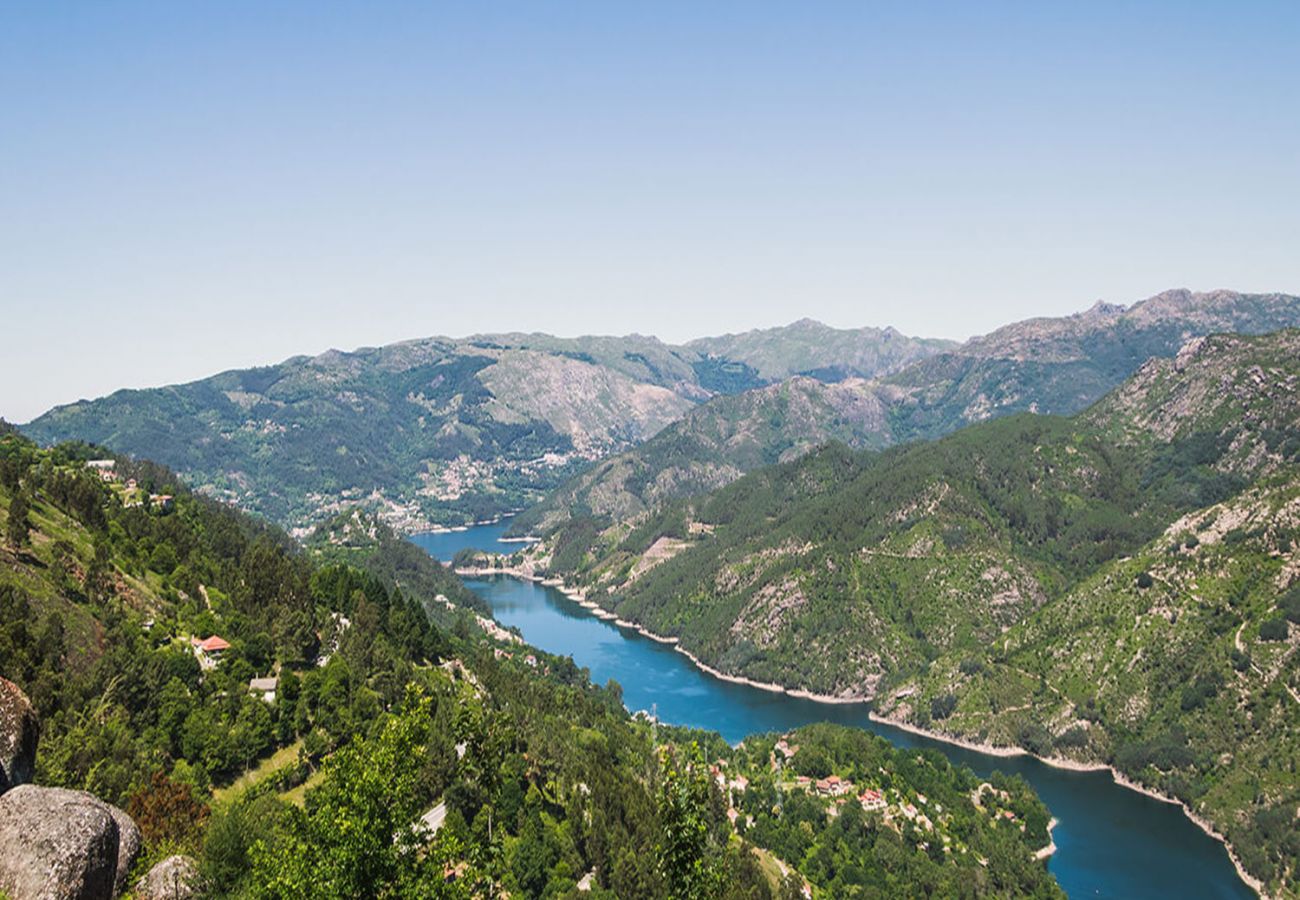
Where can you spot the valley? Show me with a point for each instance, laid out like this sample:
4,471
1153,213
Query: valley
1062,586
823,526
1149,845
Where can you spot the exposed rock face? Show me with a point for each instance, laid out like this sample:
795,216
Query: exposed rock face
128,846
19,729
57,845
175,878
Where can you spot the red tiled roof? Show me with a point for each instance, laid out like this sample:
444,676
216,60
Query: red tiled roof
213,643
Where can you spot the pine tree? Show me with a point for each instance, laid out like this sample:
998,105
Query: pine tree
18,527
689,860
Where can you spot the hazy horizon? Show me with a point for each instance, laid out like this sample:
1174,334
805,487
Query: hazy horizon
469,335
191,189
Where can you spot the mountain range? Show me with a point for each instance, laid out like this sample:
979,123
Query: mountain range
1078,537
441,430
446,431
1046,365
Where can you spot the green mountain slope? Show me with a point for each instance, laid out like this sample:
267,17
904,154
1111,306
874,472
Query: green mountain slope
1041,365
435,430
360,539
881,561
380,722
107,584
839,570
1178,666
1118,587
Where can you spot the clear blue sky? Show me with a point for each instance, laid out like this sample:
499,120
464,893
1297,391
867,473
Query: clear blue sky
189,187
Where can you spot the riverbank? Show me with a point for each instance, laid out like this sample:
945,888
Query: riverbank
578,596
749,682
452,529
1114,842
1060,762
1046,852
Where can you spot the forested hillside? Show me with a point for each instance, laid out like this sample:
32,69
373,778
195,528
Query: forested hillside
362,540
106,585
335,742
1176,665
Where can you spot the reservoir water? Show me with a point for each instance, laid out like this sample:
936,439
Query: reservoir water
1111,841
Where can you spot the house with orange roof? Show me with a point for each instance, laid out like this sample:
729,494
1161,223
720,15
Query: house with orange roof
209,650
872,799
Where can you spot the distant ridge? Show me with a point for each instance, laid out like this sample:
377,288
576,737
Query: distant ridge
440,430
1043,365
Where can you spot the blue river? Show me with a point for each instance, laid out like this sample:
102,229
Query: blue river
1111,841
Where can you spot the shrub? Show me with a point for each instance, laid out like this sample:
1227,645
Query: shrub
1200,691
1073,737
941,707
1273,630
1144,580
1289,604
167,812
1034,738
971,667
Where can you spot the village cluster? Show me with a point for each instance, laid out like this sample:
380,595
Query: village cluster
132,495
910,813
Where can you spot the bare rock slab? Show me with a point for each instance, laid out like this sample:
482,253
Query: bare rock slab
175,878
57,845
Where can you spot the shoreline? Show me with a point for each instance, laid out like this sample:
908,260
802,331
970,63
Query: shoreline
1060,762
451,529
578,596
1045,853
771,687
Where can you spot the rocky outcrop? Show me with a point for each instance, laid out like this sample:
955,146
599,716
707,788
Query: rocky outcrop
128,847
19,730
57,845
175,878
